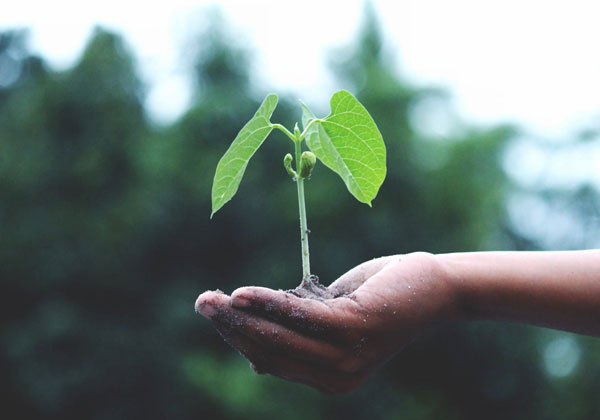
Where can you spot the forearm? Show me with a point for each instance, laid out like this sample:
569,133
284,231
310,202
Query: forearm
558,289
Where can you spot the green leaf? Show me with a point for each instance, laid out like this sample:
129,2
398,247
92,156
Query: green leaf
349,143
232,165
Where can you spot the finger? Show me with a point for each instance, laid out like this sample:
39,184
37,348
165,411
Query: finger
208,302
278,338
354,278
303,372
265,360
281,339
308,315
270,334
340,377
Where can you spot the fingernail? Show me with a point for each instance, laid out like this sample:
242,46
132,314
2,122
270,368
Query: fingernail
206,310
240,302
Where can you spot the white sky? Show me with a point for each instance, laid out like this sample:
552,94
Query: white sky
535,63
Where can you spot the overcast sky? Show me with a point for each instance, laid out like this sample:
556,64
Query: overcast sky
534,63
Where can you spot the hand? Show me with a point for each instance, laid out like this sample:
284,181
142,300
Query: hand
334,344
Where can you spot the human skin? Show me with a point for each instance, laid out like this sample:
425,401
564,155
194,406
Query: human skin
335,344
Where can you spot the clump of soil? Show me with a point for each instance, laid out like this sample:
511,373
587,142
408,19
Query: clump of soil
311,288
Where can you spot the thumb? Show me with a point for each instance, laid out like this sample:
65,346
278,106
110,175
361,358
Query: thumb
353,279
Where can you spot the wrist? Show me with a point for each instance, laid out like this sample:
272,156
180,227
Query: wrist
450,272
555,289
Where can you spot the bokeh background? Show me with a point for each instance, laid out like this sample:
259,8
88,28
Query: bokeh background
105,237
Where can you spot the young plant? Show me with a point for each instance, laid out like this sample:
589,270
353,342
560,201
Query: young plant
347,141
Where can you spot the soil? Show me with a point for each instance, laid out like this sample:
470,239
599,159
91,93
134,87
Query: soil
311,288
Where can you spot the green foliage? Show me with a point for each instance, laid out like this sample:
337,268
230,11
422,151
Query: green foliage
308,160
287,164
349,143
232,165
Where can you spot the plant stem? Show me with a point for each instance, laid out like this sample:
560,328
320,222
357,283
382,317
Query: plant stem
302,207
285,131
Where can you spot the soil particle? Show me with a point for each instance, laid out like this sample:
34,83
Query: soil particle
311,288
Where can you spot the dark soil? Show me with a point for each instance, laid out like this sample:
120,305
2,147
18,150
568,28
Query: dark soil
311,288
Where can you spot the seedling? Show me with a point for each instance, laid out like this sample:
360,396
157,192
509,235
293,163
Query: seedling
347,141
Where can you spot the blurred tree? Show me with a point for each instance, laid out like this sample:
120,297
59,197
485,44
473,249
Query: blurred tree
69,225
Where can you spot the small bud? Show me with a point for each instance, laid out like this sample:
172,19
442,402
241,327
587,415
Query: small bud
297,132
308,160
287,162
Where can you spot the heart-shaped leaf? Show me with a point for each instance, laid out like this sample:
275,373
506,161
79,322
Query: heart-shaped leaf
349,142
232,165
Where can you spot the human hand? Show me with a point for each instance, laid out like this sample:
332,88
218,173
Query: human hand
334,344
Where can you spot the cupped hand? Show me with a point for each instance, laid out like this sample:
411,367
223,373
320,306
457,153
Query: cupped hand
334,344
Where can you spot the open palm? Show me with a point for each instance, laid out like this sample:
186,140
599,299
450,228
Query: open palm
332,344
